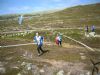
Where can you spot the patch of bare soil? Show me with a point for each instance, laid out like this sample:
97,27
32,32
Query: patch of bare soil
4,42
24,60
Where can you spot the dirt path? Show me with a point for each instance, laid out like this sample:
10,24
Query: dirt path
22,59
17,60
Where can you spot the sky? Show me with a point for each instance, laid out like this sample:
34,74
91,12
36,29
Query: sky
29,6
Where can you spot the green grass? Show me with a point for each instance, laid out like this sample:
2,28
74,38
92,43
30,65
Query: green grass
77,34
55,52
77,16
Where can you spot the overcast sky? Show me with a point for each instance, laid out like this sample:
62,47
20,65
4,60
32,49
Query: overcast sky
28,6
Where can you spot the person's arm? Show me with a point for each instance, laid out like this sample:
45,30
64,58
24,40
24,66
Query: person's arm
34,40
42,38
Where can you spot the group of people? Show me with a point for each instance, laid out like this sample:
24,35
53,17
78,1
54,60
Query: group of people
39,41
92,28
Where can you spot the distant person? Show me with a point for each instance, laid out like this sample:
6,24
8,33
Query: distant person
92,28
39,41
20,19
58,40
87,28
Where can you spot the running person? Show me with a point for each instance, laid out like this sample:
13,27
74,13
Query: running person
39,41
57,40
60,39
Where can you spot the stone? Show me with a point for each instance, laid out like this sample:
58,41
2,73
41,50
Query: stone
19,74
86,35
29,66
69,73
42,70
81,53
92,34
23,63
61,72
2,70
15,67
88,73
83,57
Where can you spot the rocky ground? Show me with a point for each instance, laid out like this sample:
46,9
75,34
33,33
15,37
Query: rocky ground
23,60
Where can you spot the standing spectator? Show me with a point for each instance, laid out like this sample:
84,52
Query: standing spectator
87,28
39,41
92,28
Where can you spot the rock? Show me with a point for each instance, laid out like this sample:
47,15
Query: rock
87,35
19,74
83,57
69,73
42,70
2,70
15,67
61,72
81,53
88,73
23,63
18,61
92,34
29,66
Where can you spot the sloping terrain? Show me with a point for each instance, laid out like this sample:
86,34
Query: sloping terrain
77,16
70,59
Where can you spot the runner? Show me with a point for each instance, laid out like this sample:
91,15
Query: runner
58,39
39,41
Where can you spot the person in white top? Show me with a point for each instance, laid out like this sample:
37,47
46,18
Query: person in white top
39,41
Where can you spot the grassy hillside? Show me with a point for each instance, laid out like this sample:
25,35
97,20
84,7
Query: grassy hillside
77,16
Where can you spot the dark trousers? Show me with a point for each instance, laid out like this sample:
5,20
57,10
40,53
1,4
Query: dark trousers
39,48
60,43
92,30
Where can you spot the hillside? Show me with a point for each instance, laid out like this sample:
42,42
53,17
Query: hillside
77,55
77,16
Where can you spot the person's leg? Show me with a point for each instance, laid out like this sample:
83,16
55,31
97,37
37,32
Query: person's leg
60,43
38,48
41,49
